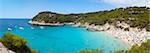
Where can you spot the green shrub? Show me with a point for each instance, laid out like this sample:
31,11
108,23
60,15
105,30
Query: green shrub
91,51
15,43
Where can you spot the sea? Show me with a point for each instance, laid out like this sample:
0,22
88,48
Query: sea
62,39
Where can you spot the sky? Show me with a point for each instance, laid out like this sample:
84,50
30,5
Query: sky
30,8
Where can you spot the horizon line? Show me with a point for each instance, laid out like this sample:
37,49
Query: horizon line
14,18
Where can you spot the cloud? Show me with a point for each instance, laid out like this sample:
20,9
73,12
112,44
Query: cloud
125,3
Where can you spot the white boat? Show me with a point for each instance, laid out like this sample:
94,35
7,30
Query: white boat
21,28
9,29
41,27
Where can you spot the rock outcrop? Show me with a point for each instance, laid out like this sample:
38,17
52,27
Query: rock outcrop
3,49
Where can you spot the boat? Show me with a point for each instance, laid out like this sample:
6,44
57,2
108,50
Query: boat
21,28
41,27
9,29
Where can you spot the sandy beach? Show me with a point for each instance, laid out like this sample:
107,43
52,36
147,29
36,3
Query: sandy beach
130,37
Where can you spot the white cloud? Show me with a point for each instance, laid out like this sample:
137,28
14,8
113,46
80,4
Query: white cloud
125,3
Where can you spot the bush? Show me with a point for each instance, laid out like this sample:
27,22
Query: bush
144,48
15,43
91,51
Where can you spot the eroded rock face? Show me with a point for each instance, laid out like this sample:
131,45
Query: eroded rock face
3,49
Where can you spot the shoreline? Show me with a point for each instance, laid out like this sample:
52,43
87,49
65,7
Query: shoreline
49,24
45,24
130,37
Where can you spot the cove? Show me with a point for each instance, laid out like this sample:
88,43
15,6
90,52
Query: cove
65,39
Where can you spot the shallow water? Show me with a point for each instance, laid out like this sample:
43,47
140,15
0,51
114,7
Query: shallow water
65,39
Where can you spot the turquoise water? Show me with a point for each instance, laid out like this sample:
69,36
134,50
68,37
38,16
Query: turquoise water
65,39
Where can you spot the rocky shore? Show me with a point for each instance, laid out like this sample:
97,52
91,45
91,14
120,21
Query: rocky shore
3,49
49,24
45,24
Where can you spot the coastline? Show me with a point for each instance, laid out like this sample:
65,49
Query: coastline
130,37
45,24
49,24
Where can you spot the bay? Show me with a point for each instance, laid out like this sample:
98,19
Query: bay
64,39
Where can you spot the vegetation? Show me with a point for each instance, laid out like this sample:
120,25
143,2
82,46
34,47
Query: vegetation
15,43
134,16
144,48
91,51
50,17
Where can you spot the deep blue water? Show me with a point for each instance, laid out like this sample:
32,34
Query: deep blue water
65,39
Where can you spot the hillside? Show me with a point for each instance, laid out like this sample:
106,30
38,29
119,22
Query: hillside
134,16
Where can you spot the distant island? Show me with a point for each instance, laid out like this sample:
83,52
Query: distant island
130,24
